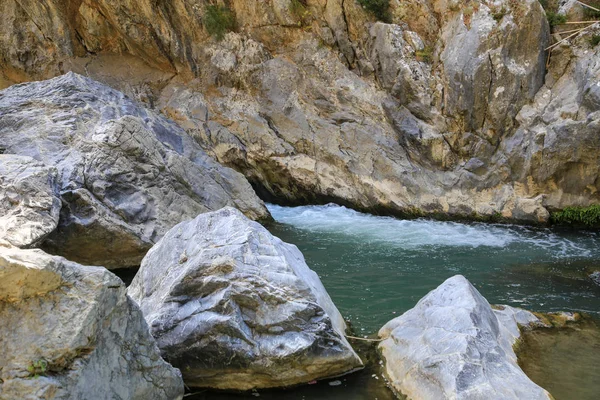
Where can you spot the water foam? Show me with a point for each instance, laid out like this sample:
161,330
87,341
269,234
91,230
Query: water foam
412,234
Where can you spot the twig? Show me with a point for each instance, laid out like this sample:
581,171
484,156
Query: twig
366,340
587,5
578,22
568,37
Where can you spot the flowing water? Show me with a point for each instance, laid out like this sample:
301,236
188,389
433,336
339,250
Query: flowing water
376,268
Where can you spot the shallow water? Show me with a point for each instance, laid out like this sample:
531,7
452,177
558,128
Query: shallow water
565,362
376,268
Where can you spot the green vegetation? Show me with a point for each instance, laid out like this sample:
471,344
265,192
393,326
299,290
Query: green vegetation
424,55
588,12
594,40
551,7
218,20
498,13
588,216
555,19
379,8
37,368
299,10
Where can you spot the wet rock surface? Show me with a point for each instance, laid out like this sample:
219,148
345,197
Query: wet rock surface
70,332
236,308
595,277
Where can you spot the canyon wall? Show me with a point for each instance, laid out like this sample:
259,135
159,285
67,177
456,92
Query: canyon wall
453,109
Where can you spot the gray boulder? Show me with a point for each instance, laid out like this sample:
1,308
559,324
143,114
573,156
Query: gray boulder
71,332
125,174
453,345
236,308
29,202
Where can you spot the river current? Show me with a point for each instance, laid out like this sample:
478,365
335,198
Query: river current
375,268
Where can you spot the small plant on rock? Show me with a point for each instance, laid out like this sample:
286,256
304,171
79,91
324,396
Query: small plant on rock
379,8
590,13
218,20
37,368
555,18
299,10
424,55
498,13
551,8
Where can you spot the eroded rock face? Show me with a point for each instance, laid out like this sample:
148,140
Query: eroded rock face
439,112
71,332
29,202
558,136
453,345
125,174
236,308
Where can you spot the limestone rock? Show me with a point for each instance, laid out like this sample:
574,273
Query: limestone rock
493,62
445,110
70,332
453,345
29,202
125,174
236,308
556,143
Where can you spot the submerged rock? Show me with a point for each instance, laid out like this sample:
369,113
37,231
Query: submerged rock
71,332
595,277
453,345
125,174
234,307
29,202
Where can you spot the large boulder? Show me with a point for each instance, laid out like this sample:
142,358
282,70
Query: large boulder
70,332
453,345
29,202
234,307
125,174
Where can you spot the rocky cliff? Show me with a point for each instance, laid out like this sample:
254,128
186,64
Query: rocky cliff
453,108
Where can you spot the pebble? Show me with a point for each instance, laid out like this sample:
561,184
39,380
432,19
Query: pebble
335,383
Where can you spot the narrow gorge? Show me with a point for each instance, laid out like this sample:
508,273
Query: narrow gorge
299,199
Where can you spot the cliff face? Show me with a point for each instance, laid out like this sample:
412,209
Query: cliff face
446,110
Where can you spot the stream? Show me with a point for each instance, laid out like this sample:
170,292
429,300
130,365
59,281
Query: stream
375,268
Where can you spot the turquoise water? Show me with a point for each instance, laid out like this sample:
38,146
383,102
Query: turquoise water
376,268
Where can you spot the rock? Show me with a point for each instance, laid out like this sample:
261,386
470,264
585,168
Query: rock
125,174
493,62
595,277
555,145
236,308
453,345
444,111
514,319
71,332
29,202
